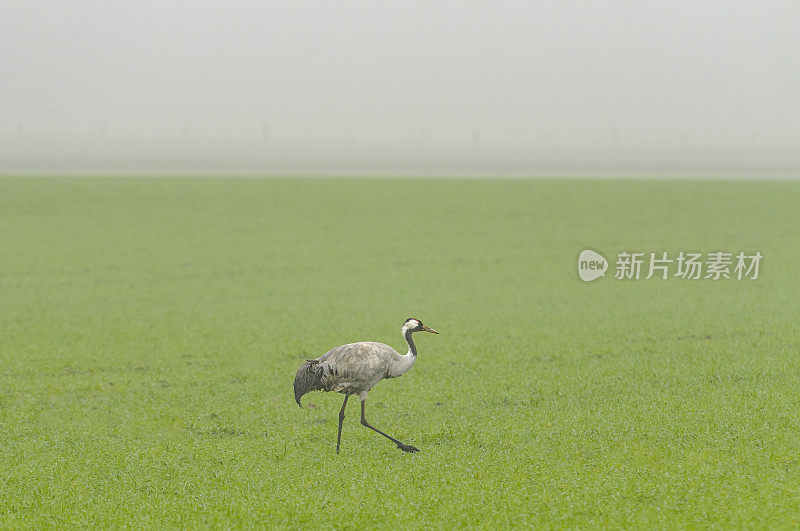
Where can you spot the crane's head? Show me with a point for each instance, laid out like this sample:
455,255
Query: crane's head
415,325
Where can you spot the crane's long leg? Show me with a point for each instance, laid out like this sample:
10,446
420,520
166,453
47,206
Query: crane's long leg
341,418
402,446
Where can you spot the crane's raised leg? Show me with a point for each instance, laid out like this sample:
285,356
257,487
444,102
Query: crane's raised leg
402,446
341,418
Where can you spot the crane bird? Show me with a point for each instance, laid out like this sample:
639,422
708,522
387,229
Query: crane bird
355,368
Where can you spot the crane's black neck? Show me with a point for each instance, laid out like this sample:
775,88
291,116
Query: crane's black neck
412,348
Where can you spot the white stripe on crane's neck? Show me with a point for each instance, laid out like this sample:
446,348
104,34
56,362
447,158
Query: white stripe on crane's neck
404,362
412,348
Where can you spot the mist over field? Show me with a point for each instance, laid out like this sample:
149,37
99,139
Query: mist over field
515,88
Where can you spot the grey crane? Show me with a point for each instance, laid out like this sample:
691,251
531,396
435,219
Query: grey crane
354,369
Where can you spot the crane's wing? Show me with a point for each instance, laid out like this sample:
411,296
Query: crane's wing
358,365
322,374
353,367
307,379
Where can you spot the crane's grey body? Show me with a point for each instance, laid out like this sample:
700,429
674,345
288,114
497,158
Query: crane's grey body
355,368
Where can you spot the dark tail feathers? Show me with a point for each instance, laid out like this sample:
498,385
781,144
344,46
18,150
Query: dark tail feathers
308,378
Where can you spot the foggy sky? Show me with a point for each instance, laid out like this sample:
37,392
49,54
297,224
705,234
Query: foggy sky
273,85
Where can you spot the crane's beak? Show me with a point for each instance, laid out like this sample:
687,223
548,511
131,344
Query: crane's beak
431,330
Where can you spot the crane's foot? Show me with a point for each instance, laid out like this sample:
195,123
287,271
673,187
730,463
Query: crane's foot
407,448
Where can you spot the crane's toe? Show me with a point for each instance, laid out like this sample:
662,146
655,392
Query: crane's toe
408,448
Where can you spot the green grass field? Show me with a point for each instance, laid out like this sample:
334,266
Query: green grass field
150,329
